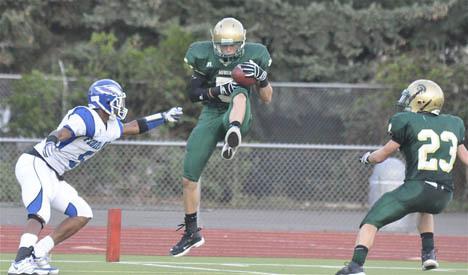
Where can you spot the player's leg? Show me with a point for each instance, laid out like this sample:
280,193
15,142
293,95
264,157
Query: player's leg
79,213
389,208
433,201
34,177
200,146
426,231
237,122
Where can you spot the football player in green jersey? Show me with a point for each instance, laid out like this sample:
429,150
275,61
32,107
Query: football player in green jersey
430,142
226,114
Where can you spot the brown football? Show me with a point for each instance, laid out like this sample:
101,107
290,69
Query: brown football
238,76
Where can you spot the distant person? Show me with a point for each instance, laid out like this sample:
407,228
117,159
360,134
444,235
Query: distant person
430,142
83,132
226,115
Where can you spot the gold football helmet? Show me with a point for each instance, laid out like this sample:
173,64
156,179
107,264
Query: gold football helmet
228,38
422,96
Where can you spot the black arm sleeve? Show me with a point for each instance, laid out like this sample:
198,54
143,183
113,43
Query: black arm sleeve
196,90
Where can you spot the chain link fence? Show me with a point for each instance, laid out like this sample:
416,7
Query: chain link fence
286,164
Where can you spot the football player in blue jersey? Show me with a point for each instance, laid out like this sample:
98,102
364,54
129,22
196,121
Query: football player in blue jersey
84,131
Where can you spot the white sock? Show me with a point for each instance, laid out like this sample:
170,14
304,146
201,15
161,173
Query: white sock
43,247
27,240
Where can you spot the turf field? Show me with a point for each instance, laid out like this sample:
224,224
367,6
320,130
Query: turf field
96,265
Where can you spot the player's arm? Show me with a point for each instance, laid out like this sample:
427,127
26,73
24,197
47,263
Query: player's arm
144,124
54,138
198,92
265,93
381,154
462,154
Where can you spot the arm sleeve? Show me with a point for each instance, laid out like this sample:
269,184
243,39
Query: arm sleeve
196,89
397,129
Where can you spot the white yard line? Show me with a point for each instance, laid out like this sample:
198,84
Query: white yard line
210,269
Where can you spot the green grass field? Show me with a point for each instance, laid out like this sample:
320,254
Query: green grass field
135,265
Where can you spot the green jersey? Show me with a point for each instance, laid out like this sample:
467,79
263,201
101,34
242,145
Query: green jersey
429,143
202,59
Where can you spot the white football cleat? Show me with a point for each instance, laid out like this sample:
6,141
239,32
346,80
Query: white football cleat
232,140
428,259
43,263
228,152
26,266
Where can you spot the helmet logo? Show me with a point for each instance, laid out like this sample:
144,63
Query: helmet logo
420,88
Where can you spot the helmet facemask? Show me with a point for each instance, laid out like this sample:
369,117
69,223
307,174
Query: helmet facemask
118,107
403,102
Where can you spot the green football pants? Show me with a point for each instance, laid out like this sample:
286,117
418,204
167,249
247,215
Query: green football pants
211,128
410,197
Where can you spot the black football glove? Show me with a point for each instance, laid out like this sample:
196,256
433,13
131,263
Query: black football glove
227,89
251,69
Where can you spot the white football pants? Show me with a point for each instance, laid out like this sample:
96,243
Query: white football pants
41,190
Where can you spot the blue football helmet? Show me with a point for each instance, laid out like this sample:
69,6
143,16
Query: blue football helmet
107,95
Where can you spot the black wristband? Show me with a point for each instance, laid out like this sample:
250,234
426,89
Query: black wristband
52,138
142,125
264,83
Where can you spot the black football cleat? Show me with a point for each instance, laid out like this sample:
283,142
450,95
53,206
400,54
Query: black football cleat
428,259
351,268
188,240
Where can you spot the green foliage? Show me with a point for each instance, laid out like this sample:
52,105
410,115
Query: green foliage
34,105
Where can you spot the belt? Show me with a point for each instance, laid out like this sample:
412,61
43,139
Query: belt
438,186
35,153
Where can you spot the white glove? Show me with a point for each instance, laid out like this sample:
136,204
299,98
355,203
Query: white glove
365,158
173,115
50,146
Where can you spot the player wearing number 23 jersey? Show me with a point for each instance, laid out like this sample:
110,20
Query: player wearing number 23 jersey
431,143
83,131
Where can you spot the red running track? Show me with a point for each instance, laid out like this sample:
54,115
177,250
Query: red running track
249,243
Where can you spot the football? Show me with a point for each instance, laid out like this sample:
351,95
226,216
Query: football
238,76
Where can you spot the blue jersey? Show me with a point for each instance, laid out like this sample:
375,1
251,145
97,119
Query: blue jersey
89,135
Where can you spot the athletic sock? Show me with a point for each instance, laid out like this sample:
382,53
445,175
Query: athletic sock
427,241
235,123
191,222
42,248
27,240
360,254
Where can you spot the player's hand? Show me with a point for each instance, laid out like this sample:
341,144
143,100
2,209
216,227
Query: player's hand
228,88
173,115
365,158
251,69
51,146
